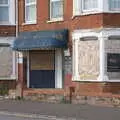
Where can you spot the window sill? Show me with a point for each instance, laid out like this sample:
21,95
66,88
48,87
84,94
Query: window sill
30,23
92,13
86,13
55,20
7,78
111,11
7,24
77,79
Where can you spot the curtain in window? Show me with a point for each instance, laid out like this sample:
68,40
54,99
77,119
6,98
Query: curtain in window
5,61
57,9
90,4
114,4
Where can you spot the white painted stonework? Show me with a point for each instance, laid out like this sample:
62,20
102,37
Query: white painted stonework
58,68
102,36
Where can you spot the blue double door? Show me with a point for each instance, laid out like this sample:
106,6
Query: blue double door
42,69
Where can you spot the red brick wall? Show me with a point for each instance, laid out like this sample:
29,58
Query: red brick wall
11,84
78,22
111,20
20,74
7,30
97,88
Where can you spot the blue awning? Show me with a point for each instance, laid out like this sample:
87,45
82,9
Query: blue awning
41,40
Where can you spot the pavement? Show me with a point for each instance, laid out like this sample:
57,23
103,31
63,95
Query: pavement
32,110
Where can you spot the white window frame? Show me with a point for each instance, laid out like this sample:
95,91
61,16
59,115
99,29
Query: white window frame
29,4
56,19
11,13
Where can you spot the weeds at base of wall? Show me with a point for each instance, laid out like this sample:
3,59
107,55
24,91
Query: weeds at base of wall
64,100
19,98
4,90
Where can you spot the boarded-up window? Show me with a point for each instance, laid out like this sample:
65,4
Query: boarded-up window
42,60
89,59
5,61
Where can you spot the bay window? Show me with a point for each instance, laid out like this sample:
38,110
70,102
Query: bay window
30,8
56,9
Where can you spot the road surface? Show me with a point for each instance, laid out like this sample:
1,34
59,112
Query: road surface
48,111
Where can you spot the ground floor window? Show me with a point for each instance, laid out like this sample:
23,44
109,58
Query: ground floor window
6,61
113,62
112,59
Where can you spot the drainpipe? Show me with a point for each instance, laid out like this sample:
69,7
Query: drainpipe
16,22
16,15
19,93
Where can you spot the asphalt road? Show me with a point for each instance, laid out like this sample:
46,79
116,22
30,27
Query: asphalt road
5,117
14,117
79,112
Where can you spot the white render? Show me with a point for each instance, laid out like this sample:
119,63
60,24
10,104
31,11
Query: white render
58,68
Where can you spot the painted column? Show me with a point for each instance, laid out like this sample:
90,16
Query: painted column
19,87
102,76
14,66
75,60
28,70
58,68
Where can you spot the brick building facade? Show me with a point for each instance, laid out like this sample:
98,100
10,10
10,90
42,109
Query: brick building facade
7,36
93,32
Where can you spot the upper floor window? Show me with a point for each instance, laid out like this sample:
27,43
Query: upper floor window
56,9
30,8
4,11
90,4
114,5
85,6
82,7
7,12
